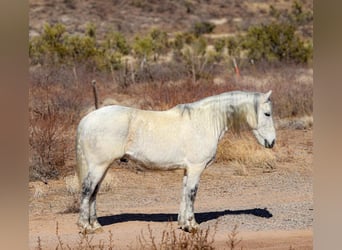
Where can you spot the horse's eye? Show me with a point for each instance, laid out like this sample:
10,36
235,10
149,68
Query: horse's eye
268,114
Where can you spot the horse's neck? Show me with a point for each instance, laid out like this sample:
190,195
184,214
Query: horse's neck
222,110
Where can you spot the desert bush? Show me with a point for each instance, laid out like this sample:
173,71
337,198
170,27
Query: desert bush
276,41
200,28
296,16
48,149
48,47
196,58
56,46
220,44
55,102
48,146
147,51
280,38
151,45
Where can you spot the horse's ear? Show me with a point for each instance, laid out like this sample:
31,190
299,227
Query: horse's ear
266,96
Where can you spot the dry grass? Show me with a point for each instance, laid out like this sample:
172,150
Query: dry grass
305,122
175,239
85,242
109,183
233,240
243,151
170,238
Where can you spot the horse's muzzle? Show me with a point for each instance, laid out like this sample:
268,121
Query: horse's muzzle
269,145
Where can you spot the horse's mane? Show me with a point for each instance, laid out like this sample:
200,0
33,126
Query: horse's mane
233,106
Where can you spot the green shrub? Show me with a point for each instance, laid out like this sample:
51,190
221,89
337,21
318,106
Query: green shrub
276,41
233,46
160,42
201,28
116,41
80,48
219,44
49,46
153,44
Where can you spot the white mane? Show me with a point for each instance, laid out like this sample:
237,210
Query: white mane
230,108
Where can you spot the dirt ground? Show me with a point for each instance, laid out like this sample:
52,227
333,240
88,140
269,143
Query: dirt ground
272,209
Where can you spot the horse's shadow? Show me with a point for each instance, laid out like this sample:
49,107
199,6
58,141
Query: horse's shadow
164,217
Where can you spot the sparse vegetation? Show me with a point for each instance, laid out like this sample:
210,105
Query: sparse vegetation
157,68
171,238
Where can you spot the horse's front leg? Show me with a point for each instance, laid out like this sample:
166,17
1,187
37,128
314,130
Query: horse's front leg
186,218
182,210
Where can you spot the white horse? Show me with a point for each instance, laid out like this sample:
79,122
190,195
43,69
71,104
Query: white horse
183,137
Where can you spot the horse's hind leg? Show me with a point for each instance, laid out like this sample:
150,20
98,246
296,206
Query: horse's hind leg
90,186
93,217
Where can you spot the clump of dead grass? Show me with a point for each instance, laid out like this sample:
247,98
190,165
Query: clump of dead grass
85,241
174,239
242,150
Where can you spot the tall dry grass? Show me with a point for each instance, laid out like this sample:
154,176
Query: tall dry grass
175,239
242,151
170,238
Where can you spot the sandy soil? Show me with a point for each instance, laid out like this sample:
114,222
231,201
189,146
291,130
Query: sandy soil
272,209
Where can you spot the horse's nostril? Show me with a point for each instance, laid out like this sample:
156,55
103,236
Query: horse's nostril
269,145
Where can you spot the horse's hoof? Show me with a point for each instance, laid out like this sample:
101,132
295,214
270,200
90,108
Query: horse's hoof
85,228
85,231
190,229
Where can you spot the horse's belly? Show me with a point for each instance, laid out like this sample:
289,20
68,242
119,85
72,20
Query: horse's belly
157,159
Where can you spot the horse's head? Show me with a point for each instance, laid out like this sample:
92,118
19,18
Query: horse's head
262,124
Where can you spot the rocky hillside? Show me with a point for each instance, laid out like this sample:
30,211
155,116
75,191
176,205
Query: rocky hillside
138,16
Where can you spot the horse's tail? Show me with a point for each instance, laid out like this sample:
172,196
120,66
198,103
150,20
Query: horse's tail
81,164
